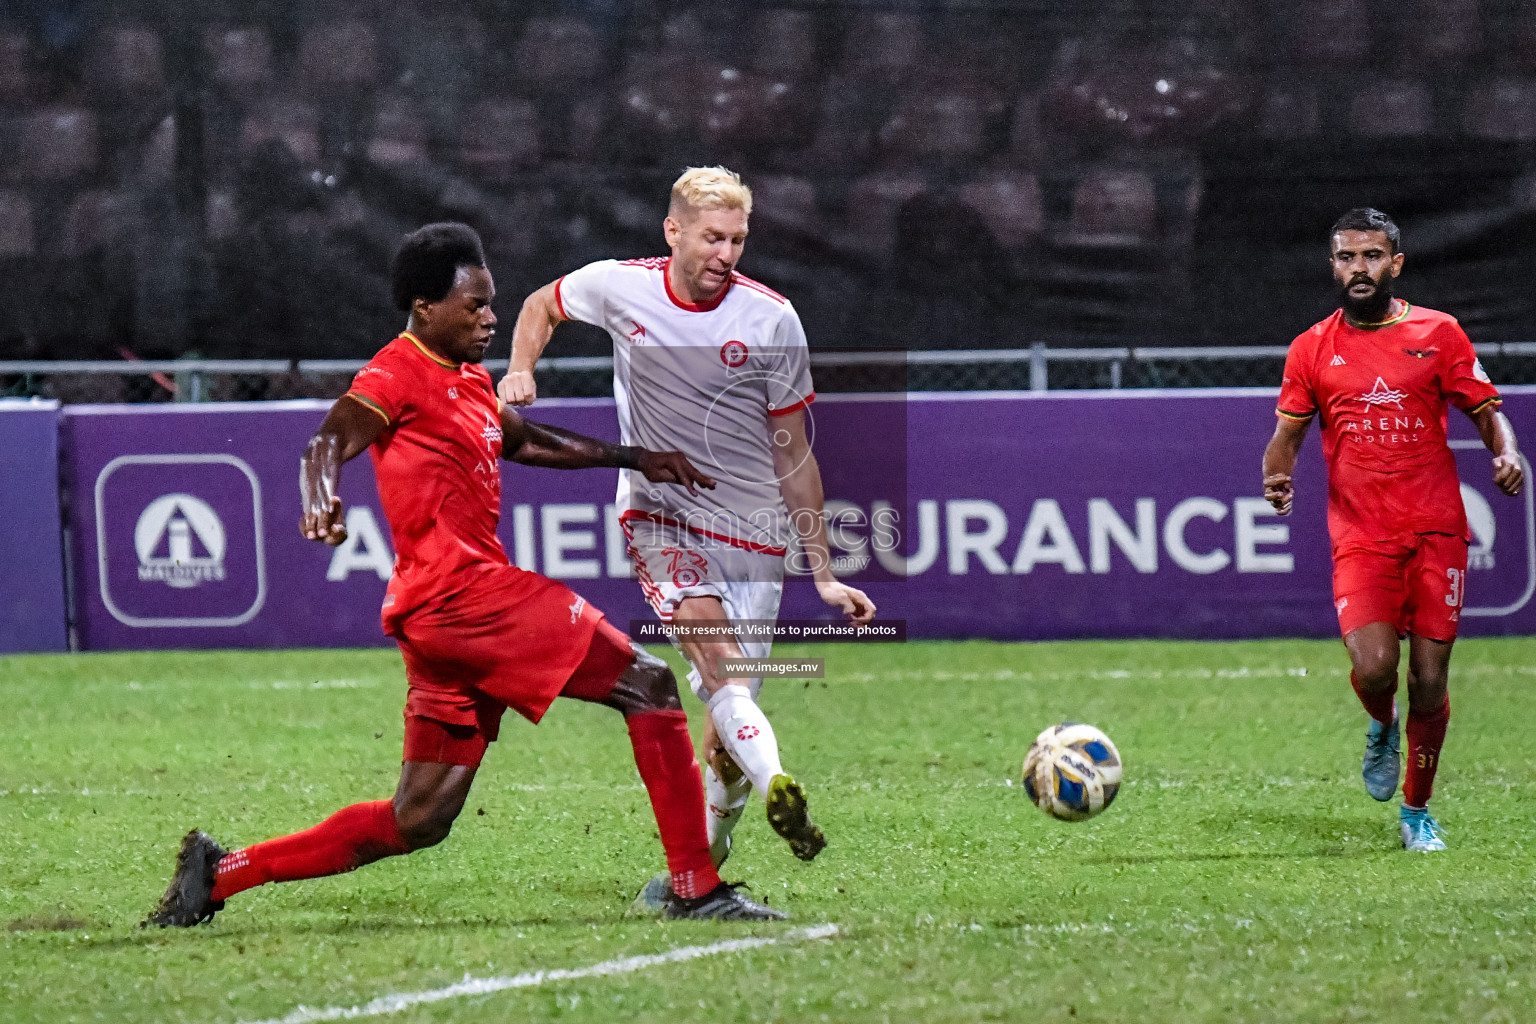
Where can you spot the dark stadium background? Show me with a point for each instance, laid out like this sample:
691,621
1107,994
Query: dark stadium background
227,180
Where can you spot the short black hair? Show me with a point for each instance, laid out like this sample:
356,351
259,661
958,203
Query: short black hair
428,259
1365,218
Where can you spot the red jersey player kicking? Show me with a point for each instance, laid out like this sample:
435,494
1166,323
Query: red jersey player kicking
1379,376
478,635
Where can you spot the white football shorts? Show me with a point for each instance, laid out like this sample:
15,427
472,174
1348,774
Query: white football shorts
674,564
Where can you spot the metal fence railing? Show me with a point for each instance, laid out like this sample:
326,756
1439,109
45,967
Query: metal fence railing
1037,368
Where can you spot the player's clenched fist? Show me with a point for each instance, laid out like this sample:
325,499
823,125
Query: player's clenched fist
324,523
517,388
1508,474
672,468
1279,492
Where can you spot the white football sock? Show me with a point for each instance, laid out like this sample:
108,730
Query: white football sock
746,734
723,807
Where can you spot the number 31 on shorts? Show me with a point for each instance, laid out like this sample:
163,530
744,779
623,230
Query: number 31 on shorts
1458,578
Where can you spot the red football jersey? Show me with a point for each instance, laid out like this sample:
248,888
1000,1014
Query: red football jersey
437,466
1382,395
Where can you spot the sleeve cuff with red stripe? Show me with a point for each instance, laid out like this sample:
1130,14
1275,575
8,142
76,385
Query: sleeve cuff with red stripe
560,303
807,400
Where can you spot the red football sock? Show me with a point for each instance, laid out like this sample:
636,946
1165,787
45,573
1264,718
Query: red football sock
348,839
1377,704
1426,733
664,755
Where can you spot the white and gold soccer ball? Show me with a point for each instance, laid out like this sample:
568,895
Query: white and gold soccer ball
1072,771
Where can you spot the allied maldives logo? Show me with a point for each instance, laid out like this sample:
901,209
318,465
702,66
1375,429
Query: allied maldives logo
179,540
1502,555
1485,529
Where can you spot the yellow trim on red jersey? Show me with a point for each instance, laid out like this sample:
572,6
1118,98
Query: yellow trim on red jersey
1407,308
368,402
439,360
1299,416
1485,403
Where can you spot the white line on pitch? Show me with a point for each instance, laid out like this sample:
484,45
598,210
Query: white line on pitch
484,986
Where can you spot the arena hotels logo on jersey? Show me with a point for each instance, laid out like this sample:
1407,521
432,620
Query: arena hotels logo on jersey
1383,394
492,433
1384,429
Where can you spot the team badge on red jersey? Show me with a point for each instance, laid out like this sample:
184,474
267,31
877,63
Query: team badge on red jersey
733,354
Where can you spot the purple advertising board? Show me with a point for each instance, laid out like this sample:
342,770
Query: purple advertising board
1125,513
1003,515
32,612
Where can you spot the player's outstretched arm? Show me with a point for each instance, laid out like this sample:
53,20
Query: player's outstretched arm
1280,461
1499,437
346,433
800,483
538,444
536,323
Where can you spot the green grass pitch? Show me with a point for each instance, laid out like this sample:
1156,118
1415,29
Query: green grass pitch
1242,875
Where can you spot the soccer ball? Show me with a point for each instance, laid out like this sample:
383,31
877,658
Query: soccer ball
1072,771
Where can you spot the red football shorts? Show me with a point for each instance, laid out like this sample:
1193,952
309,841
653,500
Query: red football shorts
512,639
1417,584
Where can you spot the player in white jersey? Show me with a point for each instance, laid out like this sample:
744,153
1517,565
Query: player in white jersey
715,365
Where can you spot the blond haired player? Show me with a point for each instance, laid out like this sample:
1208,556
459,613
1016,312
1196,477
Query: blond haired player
714,364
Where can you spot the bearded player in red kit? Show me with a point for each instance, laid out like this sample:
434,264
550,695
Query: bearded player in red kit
1379,375
478,635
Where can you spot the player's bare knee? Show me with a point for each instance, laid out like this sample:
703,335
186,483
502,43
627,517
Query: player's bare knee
658,683
423,828
426,834
647,685
1376,668
425,809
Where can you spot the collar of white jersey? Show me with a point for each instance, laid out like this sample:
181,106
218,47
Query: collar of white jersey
693,307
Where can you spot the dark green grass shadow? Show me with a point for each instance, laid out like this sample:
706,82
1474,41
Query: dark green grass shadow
1329,851
382,927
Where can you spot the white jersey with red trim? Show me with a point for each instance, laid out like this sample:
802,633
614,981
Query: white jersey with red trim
706,380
